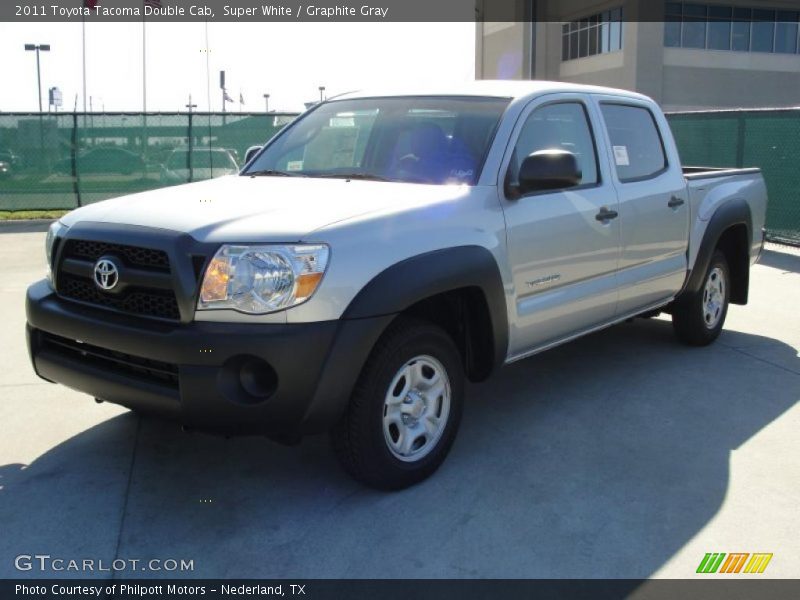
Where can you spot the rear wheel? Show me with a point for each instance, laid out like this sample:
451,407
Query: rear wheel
406,407
698,319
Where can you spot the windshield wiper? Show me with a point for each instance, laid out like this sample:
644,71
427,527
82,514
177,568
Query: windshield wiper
274,173
364,176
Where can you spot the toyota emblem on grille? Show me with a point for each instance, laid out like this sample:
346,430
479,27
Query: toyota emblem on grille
106,274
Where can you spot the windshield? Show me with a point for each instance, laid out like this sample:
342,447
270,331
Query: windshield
412,139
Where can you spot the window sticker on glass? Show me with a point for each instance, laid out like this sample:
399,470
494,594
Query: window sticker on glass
294,165
621,156
342,121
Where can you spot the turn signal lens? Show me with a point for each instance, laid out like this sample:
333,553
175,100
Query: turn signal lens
307,284
215,282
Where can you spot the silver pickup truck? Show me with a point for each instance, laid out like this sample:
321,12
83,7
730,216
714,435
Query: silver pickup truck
381,250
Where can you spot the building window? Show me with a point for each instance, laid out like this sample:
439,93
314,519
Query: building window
597,34
717,27
787,25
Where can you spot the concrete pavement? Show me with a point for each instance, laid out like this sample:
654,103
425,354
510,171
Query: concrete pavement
623,454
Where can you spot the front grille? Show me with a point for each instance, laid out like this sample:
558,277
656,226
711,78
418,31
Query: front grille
152,302
146,258
144,369
145,302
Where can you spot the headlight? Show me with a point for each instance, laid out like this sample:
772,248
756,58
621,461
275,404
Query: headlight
55,231
262,279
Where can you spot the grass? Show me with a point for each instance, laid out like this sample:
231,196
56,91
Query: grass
18,215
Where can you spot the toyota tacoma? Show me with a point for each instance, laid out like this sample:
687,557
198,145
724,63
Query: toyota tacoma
380,251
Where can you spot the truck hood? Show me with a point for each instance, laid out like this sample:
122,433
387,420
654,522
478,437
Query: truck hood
268,209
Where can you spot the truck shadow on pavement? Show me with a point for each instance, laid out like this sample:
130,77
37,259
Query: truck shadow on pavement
601,458
788,262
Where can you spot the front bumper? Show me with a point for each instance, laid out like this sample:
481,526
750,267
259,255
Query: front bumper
282,380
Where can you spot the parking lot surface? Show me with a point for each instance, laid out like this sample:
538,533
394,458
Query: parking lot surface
623,454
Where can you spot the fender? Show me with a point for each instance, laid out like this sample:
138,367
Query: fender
734,212
388,294
419,277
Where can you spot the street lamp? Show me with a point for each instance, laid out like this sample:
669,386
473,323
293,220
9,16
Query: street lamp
266,101
321,92
38,48
190,106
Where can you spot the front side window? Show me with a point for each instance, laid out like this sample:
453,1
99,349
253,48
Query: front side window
437,140
563,126
637,149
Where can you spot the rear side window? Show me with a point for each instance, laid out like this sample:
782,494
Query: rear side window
638,151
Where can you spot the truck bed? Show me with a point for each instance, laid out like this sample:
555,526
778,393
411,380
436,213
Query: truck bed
710,187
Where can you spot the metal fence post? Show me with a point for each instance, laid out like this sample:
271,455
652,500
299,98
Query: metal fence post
740,135
76,176
191,145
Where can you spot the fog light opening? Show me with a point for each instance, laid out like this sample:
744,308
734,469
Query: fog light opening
247,380
257,378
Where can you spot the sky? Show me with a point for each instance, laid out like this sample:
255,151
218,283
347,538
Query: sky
289,61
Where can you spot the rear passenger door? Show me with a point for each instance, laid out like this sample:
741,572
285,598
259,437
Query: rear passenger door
563,255
653,203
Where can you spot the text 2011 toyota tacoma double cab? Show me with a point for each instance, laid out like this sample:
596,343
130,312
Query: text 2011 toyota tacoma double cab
382,249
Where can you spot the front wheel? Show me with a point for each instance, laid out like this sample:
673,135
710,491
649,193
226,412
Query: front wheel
698,318
406,407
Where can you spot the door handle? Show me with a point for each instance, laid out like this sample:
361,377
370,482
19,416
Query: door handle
606,215
675,202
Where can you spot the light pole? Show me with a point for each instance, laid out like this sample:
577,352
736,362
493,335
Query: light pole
321,92
266,101
224,94
190,106
38,48
189,154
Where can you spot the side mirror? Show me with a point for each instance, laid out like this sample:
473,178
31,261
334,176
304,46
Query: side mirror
548,170
251,152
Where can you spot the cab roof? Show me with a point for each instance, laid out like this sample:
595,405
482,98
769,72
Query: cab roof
513,90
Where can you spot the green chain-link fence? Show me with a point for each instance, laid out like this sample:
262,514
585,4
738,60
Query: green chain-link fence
60,161
769,139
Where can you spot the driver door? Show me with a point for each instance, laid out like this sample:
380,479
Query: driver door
563,255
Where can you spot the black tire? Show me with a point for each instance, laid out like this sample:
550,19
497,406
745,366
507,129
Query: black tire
689,320
359,440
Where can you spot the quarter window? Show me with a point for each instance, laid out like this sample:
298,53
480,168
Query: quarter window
637,150
563,126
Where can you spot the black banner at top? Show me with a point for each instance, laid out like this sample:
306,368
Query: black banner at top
240,10
314,10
